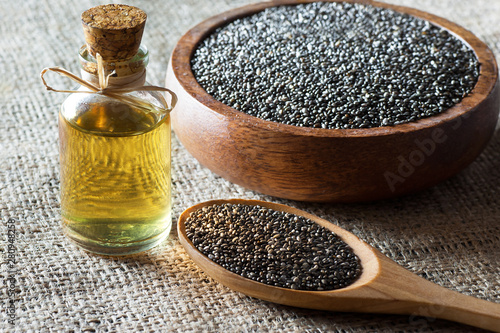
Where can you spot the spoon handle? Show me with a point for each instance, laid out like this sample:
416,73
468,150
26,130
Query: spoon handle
416,296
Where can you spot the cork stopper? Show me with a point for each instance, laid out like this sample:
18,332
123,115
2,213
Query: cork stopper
114,31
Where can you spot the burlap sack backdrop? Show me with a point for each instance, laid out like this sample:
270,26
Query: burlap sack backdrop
448,234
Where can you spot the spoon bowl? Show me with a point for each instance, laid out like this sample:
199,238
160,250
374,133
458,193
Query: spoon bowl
383,286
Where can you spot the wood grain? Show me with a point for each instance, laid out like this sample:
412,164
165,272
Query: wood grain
329,164
383,287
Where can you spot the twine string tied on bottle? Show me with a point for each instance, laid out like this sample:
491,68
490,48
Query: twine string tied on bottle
116,91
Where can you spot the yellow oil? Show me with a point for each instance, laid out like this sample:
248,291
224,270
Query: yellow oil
115,179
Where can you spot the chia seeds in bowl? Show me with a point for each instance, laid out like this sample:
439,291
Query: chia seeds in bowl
273,247
404,142
335,65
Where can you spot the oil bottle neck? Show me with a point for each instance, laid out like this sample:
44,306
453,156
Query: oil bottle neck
134,80
128,73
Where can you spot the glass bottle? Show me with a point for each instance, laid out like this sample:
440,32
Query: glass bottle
115,162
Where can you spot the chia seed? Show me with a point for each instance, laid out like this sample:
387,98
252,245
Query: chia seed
335,65
273,247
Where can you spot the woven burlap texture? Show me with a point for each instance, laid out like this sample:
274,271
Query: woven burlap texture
448,234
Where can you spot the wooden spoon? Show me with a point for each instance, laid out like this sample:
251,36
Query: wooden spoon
383,287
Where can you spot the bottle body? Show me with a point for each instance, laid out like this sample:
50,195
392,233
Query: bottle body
115,173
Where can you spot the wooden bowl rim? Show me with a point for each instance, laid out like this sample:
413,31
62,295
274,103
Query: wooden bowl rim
487,80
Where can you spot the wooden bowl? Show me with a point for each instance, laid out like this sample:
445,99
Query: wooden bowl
331,165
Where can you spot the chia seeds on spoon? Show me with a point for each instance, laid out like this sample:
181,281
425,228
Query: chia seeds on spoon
273,247
335,65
